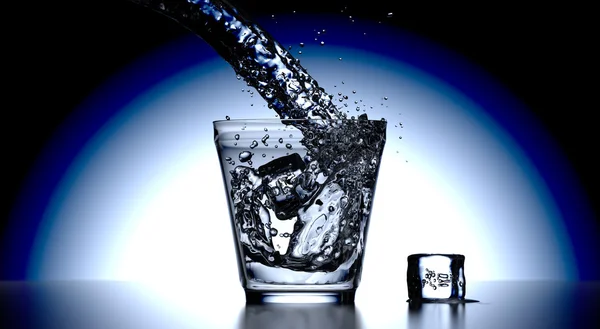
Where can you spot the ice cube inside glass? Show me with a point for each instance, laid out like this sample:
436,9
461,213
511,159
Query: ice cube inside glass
300,195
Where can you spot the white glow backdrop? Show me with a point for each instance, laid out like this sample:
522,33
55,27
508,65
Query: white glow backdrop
144,199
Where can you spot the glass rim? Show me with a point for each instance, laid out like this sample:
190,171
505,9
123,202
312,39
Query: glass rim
259,120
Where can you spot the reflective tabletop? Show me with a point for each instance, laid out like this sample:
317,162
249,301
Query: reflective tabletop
116,305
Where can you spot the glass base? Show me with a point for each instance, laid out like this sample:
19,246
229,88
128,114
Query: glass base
346,297
442,301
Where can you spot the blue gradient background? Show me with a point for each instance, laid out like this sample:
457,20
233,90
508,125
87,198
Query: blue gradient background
88,205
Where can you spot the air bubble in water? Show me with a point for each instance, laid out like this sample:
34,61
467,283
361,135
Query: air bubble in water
245,156
237,136
273,232
300,52
390,15
301,44
288,145
280,140
322,43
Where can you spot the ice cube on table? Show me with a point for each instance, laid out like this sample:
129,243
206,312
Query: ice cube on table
433,277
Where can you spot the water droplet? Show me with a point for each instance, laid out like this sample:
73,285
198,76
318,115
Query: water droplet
301,44
228,159
276,146
345,96
273,232
253,144
322,43
291,136
288,145
340,58
358,108
385,98
237,136
245,156
264,155
238,77
390,15
227,117
331,208
280,140
400,137
300,52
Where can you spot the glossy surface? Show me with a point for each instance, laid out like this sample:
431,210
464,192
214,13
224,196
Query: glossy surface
115,305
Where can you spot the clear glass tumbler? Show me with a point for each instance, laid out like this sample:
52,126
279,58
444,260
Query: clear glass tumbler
300,194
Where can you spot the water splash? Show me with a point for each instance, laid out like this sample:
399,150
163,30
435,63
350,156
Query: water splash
254,55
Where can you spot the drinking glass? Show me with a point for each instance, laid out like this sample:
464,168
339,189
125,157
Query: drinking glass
300,195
